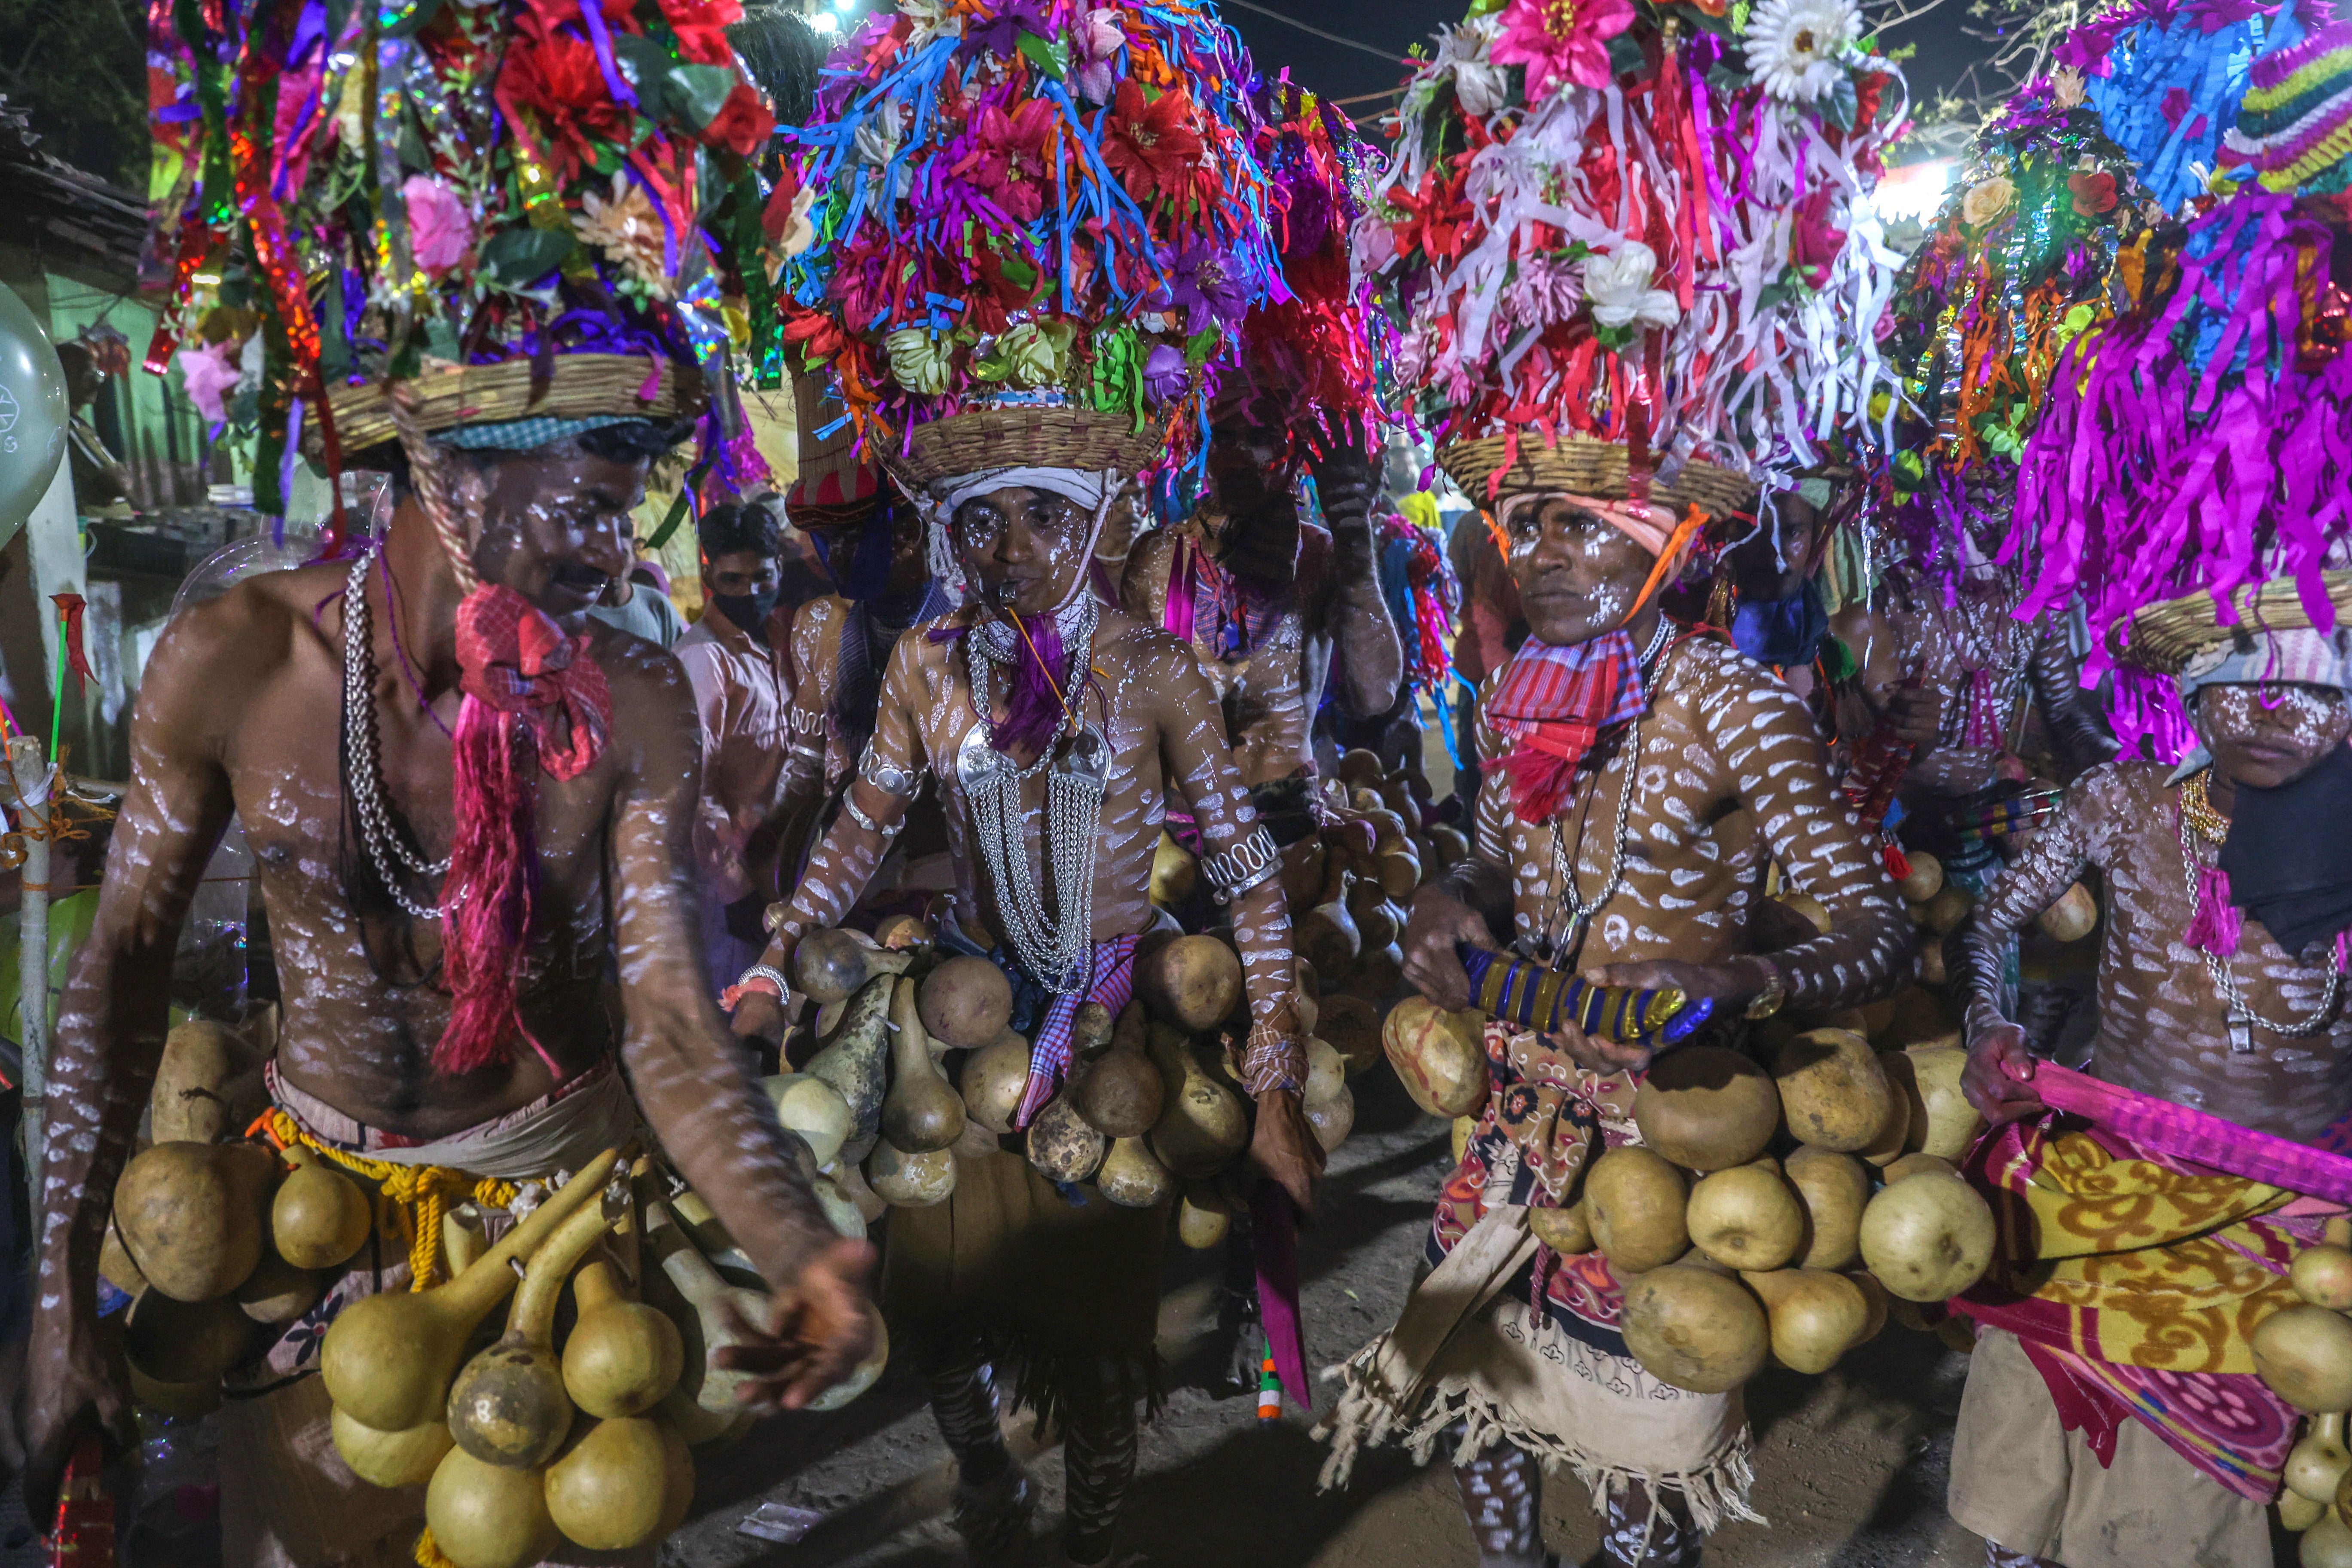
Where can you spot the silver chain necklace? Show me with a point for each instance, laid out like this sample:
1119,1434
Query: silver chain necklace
2236,1011
1053,952
384,849
1571,912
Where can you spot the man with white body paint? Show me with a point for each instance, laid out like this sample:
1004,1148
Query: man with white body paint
1639,780
239,713
1035,686
2228,894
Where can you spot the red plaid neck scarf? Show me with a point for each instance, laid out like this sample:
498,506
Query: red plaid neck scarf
1552,704
534,698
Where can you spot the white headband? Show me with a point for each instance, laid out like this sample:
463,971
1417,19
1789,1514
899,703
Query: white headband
1094,491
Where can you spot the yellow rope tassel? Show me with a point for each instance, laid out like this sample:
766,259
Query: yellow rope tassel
427,1554
419,1195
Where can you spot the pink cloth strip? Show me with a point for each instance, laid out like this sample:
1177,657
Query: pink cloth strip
2196,1136
1274,1243
1110,981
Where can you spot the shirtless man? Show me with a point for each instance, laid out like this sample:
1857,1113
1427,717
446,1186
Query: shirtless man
238,714
1729,772
1271,599
2191,999
1006,1270
839,649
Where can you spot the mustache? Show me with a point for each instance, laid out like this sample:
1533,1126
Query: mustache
580,574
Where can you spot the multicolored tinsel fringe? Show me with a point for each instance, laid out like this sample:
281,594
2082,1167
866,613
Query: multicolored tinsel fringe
2202,440
1652,237
2294,129
2173,79
362,188
1037,199
1315,355
2015,265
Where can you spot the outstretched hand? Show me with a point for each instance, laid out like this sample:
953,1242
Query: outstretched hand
85,1389
816,1332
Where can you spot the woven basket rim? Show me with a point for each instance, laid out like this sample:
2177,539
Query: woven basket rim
2162,637
580,386
1587,464
1044,436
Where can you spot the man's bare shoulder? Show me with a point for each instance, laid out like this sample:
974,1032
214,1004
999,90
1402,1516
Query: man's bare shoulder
251,631
1711,681
633,666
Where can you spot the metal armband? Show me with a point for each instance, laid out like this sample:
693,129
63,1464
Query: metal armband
888,777
806,723
1232,871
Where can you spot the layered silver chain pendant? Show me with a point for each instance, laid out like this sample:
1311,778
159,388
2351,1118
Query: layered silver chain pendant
386,852
1053,952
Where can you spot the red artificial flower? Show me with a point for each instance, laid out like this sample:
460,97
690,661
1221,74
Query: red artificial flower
2093,191
999,288
701,28
743,122
1008,158
1866,90
557,74
1151,147
1814,241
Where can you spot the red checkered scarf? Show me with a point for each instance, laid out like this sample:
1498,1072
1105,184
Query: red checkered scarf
534,698
1551,704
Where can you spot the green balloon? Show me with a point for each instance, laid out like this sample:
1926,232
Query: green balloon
33,411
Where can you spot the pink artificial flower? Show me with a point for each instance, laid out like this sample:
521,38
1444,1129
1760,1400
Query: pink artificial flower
1099,39
1560,38
440,229
1813,240
211,374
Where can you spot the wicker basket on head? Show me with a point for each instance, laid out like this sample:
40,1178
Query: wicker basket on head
2163,638
1583,465
581,386
1028,438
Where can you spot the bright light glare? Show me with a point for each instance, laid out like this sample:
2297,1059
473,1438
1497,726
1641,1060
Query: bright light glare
826,22
1914,190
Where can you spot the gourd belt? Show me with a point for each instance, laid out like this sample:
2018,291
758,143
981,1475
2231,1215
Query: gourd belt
414,1197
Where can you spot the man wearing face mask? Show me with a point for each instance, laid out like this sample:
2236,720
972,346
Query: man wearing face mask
2137,1434
743,691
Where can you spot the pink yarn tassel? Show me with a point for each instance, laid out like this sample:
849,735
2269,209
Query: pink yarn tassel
1034,711
2217,926
486,902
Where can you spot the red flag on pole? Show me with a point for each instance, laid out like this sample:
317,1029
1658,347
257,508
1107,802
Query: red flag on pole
69,613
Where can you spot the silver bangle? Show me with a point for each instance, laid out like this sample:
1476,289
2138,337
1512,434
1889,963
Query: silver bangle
860,819
810,724
801,749
888,777
1233,871
766,972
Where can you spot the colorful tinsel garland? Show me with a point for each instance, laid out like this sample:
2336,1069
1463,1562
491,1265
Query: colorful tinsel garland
1029,199
1637,232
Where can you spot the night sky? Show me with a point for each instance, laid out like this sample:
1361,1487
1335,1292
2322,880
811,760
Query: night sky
1337,70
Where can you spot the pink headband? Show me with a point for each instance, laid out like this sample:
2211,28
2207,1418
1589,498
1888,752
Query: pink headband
1646,523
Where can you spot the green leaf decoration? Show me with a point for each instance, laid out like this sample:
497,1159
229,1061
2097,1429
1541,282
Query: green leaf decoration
521,256
1050,56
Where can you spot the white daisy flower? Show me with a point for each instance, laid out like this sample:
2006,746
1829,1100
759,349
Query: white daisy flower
1795,47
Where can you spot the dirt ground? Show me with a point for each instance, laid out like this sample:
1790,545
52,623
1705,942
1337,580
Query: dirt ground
1850,1467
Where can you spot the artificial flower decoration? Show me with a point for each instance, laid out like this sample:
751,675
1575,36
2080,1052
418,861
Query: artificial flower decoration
2093,191
1617,286
1044,200
1626,236
477,182
1559,40
440,229
1151,145
1797,47
1987,200
629,230
210,374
